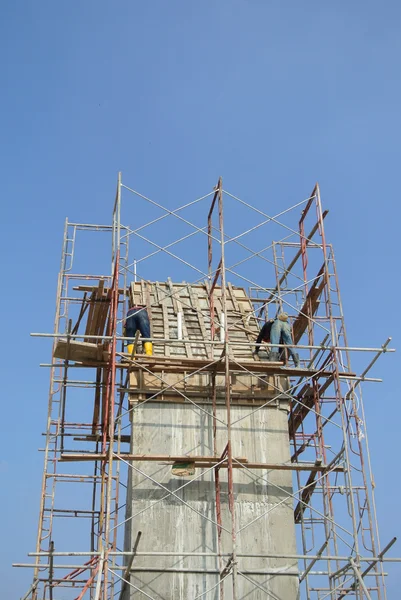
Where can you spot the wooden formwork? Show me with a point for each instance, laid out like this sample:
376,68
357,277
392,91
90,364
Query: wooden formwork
164,301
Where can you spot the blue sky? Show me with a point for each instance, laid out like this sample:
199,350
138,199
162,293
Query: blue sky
273,96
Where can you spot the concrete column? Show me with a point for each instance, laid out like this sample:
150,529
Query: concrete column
170,526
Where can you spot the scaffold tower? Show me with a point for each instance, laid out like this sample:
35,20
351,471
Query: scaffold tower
205,470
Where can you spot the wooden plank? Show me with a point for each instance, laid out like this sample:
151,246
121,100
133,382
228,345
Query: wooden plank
200,461
93,314
103,315
96,406
103,399
240,309
174,307
156,292
148,305
187,345
309,308
99,304
103,312
136,293
172,294
142,297
82,311
300,412
131,294
89,320
201,320
166,328
232,296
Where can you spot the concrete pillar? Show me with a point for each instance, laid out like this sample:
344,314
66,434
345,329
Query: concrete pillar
170,526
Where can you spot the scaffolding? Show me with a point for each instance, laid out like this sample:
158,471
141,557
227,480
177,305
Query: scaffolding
87,463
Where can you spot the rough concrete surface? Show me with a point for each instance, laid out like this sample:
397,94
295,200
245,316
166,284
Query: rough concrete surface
263,505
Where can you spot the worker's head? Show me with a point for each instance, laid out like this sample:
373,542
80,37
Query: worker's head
283,316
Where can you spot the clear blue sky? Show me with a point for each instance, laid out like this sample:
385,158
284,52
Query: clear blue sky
271,95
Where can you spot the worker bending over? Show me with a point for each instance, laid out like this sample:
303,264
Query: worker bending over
277,331
137,319
281,333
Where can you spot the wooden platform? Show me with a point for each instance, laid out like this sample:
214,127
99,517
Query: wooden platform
99,305
94,312
83,352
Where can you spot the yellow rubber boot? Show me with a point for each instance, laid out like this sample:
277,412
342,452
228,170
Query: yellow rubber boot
130,348
148,348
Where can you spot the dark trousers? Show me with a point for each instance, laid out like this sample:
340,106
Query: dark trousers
137,319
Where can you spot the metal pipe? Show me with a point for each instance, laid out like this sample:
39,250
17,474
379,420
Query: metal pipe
367,559
219,343
370,365
99,577
91,226
51,569
361,581
173,570
380,556
31,589
313,561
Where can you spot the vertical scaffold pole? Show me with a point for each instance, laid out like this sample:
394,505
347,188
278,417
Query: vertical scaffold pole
231,502
336,381
50,403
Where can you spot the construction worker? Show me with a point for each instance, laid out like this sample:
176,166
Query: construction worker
138,319
280,332
264,335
